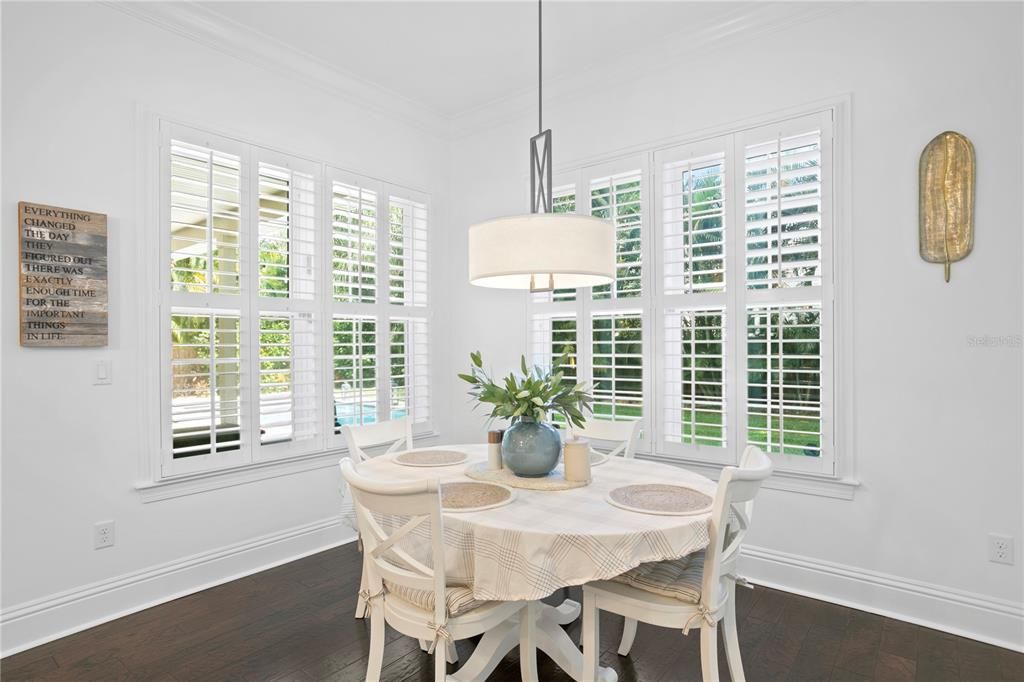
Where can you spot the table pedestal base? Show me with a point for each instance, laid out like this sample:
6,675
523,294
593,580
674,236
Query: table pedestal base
551,639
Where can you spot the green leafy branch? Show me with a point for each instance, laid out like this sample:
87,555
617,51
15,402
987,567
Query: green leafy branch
534,394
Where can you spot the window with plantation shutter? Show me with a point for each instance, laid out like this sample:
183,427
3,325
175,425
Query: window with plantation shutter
354,342
728,339
205,219
784,379
206,383
380,306
617,359
693,219
354,262
407,256
694,383
279,324
288,378
286,236
410,370
782,196
602,328
617,198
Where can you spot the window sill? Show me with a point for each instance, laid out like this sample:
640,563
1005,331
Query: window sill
191,484
820,486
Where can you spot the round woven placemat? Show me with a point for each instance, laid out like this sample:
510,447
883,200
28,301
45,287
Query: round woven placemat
467,496
553,481
660,498
430,458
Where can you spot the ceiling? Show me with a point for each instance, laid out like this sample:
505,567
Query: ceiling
453,57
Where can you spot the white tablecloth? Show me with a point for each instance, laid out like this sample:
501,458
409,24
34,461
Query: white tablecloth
543,540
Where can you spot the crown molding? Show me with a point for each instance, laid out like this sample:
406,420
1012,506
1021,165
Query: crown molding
745,21
218,32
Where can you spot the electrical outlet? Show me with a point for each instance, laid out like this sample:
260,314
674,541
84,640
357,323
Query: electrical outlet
1000,549
103,534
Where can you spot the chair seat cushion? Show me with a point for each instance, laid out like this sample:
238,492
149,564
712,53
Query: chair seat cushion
457,599
677,578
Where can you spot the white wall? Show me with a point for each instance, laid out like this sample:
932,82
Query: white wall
938,421
73,79
926,400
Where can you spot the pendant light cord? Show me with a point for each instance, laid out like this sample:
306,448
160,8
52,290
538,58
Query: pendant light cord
540,66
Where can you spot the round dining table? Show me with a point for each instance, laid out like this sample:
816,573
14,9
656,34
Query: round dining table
545,540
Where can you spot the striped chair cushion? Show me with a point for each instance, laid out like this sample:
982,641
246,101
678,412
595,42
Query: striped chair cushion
679,578
457,599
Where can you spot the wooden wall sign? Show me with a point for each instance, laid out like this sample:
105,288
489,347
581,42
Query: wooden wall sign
63,283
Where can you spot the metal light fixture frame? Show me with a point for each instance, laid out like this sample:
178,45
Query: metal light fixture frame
589,269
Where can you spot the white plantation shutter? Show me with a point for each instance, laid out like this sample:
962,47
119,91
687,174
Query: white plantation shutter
407,258
782,192
287,236
618,198
354,340
288,378
410,370
784,379
787,300
695,377
281,321
693,220
206,383
354,262
617,359
205,219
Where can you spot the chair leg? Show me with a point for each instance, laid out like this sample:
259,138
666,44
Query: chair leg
440,664
628,635
451,653
709,652
376,659
732,640
361,603
528,642
591,635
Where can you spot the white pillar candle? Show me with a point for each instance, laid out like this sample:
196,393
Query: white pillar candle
577,460
494,450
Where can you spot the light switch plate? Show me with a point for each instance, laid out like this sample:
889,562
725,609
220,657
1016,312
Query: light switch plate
101,374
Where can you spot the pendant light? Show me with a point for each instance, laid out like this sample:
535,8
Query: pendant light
541,250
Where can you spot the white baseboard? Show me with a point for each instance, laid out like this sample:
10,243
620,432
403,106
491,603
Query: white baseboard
967,614
42,620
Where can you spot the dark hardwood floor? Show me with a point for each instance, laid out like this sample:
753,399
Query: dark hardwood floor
294,622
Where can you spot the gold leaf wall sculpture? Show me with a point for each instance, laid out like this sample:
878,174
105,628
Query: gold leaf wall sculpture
946,220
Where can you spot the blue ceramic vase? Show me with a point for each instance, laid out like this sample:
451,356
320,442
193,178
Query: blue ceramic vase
530,448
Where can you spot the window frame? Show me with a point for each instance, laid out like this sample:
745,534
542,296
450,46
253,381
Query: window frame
253,459
833,476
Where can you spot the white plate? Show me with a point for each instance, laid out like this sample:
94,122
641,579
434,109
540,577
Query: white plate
430,458
652,488
508,496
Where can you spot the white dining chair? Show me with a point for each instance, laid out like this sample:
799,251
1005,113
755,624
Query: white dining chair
624,434
698,590
396,433
413,598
